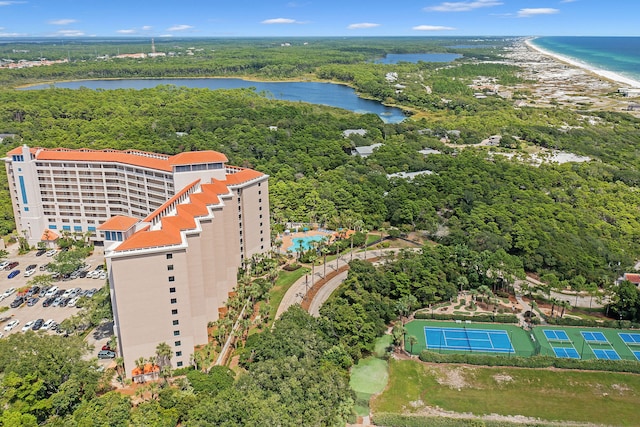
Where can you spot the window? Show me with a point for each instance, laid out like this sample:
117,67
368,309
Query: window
177,343
170,267
53,227
68,228
172,278
179,364
169,256
174,300
176,333
174,311
178,353
172,290
259,200
26,209
176,322
77,228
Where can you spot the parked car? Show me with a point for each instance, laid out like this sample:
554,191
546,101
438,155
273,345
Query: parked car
12,265
51,291
106,354
41,252
3,264
13,274
57,301
11,325
37,324
44,267
46,325
73,301
28,325
31,267
29,273
32,301
47,302
51,252
35,289
8,292
83,274
64,302
91,293
17,302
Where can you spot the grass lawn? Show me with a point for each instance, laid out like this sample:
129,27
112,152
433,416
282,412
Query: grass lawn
549,394
368,377
284,282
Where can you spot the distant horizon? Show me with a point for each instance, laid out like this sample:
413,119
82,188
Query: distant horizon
70,19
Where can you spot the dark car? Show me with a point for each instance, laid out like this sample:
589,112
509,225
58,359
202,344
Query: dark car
32,301
41,252
17,302
31,267
83,274
34,290
44,267
106,354
48,301
37,324
13,274
12,265
64,302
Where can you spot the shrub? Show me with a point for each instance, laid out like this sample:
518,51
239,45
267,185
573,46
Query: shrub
291,267
499,318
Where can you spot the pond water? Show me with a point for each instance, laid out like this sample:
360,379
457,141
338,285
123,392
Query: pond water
330,94
394,58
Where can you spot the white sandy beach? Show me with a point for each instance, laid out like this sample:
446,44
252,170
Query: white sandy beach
609,75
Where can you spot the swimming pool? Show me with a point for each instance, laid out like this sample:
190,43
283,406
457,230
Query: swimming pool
305,241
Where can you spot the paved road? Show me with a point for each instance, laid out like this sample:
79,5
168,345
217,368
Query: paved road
325,292
299,289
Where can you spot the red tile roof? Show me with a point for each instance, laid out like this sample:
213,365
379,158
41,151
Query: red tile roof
632,277
118,223
144,159
185,213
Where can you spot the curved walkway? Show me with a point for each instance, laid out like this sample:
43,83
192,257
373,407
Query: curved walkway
298,293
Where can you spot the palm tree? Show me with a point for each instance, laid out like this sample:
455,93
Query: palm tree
120,372
140,364
163,356
564,305
412,341
324,251
366,234
554,302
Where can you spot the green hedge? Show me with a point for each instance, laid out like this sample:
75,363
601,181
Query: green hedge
398,420
499,318
533,362
609,323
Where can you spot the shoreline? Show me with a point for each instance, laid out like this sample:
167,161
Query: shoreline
609,75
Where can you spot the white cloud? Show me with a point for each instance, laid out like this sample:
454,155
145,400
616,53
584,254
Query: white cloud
362,25
62,21
126,31
180,27
13,35
70,33
528,12
280,21
463,6
9,3
567,1
432,28
146,27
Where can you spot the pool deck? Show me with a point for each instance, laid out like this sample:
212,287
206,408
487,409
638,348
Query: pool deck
287,239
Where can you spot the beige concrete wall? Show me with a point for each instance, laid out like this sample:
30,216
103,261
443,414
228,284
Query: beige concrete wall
255,203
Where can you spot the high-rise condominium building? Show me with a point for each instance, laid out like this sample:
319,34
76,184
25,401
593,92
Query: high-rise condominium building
175,231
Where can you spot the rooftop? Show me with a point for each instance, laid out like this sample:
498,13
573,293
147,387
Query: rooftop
144,159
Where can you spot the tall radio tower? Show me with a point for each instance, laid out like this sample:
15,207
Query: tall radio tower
153,46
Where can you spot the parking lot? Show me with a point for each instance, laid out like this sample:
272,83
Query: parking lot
25,313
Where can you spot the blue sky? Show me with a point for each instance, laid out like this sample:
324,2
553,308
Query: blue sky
283,18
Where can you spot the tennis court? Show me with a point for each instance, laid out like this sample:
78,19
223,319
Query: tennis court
463,339
566,352
632,341
556,335
595,337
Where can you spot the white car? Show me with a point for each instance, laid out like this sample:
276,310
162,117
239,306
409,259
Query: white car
51,252
46,325
73,301
3,264
11,325
51,291
28,325
8,292
29,273
103,276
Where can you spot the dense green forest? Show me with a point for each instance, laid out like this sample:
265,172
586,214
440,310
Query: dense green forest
492,216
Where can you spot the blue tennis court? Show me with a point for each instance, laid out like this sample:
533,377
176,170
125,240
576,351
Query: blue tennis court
594,337
556,335
606,354
636,354
629,338
568,353
494,341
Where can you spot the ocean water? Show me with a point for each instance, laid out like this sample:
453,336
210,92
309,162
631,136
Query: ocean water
620,55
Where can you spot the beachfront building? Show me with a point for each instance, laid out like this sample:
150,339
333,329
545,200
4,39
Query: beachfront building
175,231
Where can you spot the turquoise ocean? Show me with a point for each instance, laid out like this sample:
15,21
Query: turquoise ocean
620,55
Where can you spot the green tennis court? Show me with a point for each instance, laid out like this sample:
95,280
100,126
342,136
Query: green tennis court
579,342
